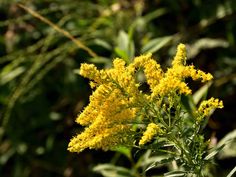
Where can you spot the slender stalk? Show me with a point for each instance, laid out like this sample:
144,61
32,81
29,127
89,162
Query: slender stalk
58,29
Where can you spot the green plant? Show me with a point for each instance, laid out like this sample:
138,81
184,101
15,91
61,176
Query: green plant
40,93
120,113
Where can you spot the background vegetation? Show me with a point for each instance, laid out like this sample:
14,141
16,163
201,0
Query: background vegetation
41,94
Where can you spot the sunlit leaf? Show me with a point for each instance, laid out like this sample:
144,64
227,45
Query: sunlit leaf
175,173
232,172
123,150
103,60
156,44
9,76
230,145
201,93
125,46
157,161
205,43
121,53
155,14
214,152
102,43
108,170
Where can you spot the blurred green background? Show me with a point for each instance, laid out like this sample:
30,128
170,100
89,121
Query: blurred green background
41,92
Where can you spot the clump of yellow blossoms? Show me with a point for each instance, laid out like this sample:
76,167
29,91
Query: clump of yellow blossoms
207,106
118,108
151,131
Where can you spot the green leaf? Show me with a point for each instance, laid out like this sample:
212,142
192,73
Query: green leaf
206,43
175,173
123,150
141,22
6,156
76,71
122,40
155,14
108,170
230,145
157,161
6,77
232,172
156,44
131,50
102,43
201,93
102,60
188,104
125,46
214,152
121,53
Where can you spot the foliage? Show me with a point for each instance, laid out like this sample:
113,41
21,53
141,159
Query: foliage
40,94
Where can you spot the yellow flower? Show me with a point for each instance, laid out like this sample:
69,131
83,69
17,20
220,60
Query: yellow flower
119,65
108,117
99,136
90,71
171,84
173,79
181,56
116,103
152,70
151,130
207,106
96,100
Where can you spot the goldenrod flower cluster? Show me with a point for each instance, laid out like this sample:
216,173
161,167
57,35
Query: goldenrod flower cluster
151,131
117,103
110,113
207,106
173,79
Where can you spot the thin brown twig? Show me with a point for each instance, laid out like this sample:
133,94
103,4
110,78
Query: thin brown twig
58,29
